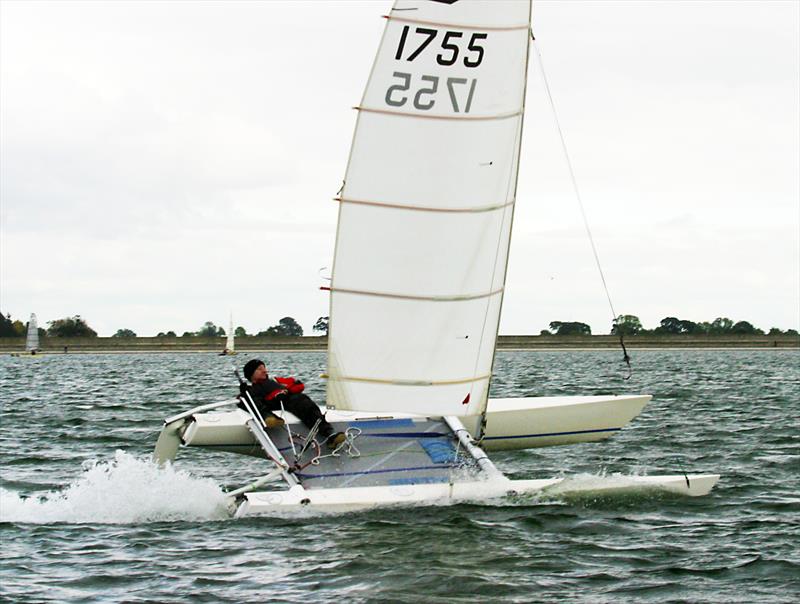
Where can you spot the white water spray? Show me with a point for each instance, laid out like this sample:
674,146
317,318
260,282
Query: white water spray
125,490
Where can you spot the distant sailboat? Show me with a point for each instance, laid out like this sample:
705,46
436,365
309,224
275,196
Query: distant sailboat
230,347
32,341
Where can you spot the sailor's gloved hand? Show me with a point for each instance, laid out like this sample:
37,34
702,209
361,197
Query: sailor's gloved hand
242,388
281,397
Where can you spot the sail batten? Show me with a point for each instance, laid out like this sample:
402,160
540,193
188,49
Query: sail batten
523,26
396,206
499,116
411,382
439,298
426,208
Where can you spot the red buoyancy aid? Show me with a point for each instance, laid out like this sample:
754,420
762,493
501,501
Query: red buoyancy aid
291,384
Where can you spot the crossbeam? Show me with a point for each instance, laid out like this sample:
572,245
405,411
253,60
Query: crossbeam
477,453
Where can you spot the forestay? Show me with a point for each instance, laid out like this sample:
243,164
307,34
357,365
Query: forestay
426,209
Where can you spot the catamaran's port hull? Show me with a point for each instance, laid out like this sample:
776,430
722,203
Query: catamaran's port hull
358,499
511,423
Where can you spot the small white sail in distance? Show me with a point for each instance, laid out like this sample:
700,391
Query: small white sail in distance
426,209
229,343
32,341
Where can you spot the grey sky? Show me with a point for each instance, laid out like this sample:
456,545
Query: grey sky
162,164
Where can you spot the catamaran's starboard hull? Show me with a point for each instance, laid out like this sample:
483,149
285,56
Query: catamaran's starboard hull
511,423
363,498
525,423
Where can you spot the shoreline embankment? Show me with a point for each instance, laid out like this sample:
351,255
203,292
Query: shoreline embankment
320,343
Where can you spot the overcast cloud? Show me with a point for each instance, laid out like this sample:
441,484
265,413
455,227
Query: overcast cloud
162,164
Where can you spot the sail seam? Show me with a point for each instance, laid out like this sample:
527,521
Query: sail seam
456,25
348,378
461,298
466,118
397,206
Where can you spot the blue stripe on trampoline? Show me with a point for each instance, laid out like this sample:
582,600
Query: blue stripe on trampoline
384,435
420,480
389,470
378,424
406,435
439,451
551,434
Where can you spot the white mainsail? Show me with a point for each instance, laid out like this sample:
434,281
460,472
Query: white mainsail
32,341
426,209
229,345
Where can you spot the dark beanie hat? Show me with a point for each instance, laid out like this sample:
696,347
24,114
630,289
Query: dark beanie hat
251,366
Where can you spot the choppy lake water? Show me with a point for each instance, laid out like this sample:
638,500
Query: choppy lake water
85,517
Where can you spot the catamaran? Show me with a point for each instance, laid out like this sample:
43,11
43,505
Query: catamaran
419,271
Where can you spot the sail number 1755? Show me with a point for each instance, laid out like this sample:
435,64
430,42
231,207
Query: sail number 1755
451,46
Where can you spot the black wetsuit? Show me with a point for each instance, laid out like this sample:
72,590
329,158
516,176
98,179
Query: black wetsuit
299,405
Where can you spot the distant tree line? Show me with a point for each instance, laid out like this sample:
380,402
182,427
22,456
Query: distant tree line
287,326
631,325
72,327
69,327
13,329
76,326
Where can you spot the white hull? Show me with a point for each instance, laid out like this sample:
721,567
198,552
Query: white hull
511,423
364,498
524,423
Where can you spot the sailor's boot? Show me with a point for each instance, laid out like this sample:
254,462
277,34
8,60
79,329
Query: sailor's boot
273,421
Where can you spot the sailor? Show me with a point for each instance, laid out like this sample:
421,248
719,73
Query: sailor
269,394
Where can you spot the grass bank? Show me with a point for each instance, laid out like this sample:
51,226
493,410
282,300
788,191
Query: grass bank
319,343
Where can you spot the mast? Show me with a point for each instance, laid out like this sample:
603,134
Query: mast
482,425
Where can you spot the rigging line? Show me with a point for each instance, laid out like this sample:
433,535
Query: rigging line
309,439
288,430
626,358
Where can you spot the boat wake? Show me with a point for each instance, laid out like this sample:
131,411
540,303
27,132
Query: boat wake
125,490
136,490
